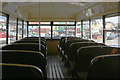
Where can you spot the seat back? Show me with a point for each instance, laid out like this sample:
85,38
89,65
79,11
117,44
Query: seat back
75,46
67,38
24,57
62,41
105,67
31,41
26,46
86,54
34,38
69,42
20,71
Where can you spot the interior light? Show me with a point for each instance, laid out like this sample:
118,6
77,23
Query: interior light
78,3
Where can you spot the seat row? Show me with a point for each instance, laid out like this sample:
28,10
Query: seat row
25,58
78,55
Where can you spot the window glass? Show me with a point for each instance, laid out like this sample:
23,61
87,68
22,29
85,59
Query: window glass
19,29
33,31
78,29
86,29
70,31
97,30
12,29
60,31
25,30
112,31
45,31
2,30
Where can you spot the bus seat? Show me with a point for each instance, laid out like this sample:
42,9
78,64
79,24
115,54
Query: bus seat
105,67
86,54
24,57
72,51
68,43
34,38
20,71
30,41
26,46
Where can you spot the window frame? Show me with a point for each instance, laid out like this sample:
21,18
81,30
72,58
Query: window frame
85,20
96,18
7,24
51,24
64,25
36,25
104,27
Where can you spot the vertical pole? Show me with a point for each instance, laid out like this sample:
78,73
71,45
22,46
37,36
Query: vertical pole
104,29
66,33
90,28
75,29
66,26
51,30
7,27
22,28
118,31
27,29
39,29
81,28
17,30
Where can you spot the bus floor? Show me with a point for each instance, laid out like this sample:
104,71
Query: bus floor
55,69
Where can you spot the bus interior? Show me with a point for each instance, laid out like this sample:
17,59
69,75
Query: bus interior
60,39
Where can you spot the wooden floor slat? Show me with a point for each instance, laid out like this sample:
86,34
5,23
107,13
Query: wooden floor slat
55,68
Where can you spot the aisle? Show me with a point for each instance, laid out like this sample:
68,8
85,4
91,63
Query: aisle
55,68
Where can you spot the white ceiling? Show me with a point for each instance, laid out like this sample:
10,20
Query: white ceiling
48,10
60,0
55,10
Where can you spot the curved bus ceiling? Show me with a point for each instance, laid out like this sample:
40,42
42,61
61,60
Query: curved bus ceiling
59,11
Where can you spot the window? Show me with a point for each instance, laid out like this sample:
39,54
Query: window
19,29
59,29
78,29
3,22
33,31
112,30
86,29
58,32
25,30
70,31
45,31
12,29
97,30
